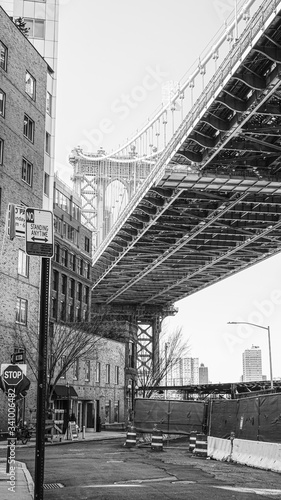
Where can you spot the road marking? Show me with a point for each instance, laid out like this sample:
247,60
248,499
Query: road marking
113,486
258,491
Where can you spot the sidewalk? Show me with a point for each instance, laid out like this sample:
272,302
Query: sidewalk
21,487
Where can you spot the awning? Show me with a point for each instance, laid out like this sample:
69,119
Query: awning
64,392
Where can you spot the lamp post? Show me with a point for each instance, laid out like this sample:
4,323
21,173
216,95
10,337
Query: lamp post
269,343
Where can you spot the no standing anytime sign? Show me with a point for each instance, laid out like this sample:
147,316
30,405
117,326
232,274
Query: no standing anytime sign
39,232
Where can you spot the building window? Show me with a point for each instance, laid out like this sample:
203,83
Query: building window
1,151
131,355
54,309
28,128
57,253
87,244
86,295
36,28
72,288
23,264
79,292
49,104
3,56
107,374
48,143
116,380
2,103
76,369
55,284
27,171
21,311
98,371
46,184
64,257
63,284
87,370
30,85
71,258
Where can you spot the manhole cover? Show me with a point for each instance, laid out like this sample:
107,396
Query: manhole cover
52,486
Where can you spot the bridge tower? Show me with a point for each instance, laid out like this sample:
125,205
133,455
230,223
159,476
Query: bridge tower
105,186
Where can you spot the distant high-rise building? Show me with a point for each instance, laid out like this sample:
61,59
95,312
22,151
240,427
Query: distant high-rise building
203,374
185,372
252,364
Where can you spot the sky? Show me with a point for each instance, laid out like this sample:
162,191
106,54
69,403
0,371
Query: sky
106,50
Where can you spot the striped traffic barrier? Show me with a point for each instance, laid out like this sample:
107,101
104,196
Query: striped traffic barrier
192,441
131,437
201,446
156,439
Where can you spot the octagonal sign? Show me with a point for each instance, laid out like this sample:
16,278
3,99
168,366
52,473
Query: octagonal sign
12,375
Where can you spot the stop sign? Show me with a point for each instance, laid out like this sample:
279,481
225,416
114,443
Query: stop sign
12,375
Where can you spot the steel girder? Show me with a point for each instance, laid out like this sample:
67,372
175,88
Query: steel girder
217,208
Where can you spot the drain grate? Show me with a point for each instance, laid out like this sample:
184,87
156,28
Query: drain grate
52,486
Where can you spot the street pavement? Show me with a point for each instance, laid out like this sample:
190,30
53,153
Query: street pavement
20,485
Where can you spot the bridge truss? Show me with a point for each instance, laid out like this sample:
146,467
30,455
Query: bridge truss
212,204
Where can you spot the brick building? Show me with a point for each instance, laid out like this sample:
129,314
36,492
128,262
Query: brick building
23,86
93,388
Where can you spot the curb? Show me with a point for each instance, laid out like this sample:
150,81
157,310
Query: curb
28,478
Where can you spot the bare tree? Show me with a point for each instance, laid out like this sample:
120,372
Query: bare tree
67,343
172,347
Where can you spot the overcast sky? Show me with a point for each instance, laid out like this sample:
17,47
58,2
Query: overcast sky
107,48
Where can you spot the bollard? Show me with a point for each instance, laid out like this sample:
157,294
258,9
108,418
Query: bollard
192,441
201,446
131,438
156,439
83,432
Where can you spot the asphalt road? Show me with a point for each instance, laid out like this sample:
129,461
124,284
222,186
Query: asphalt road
107,470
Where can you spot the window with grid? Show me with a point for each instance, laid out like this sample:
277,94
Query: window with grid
28,128
36,28
23,263
2,103
3,56
72,288
27,171
21,311
30,85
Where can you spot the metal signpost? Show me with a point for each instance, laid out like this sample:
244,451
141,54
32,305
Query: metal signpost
39,241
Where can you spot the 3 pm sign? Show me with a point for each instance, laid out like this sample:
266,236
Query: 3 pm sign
39,232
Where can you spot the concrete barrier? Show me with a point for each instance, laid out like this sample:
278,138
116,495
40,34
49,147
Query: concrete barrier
219,449
257,454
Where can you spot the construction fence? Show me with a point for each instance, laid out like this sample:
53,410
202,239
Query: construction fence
256,418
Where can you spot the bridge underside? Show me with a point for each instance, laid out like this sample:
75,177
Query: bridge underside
217,208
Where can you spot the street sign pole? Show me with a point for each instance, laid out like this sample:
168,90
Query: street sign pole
42,379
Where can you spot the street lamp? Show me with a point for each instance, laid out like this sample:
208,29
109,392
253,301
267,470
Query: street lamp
269,343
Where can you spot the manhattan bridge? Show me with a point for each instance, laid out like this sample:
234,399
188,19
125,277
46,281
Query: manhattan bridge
195,196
